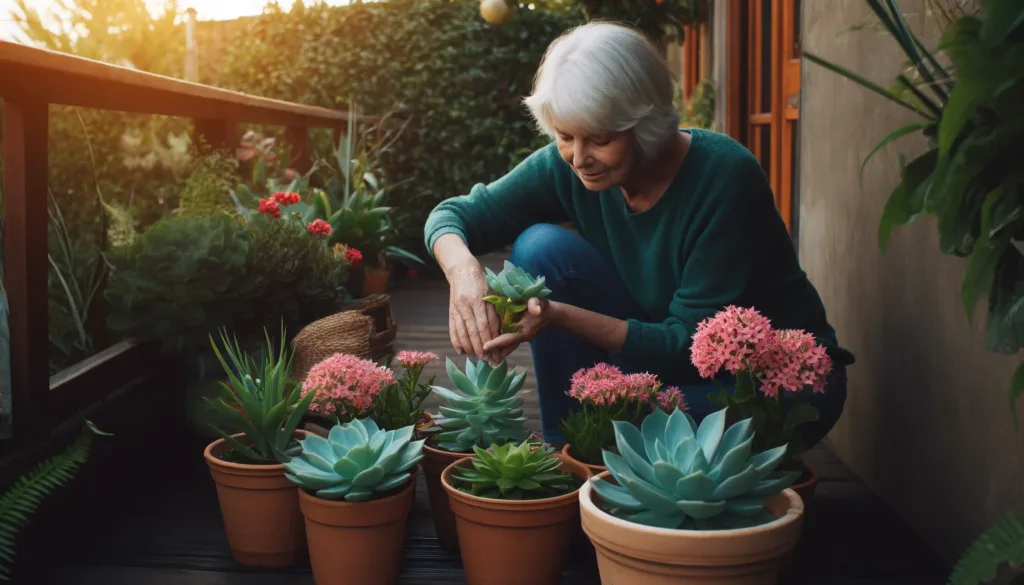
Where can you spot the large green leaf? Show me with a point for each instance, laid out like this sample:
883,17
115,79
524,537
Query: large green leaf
868,84
892,137
907,199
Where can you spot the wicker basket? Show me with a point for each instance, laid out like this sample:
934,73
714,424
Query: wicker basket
365,329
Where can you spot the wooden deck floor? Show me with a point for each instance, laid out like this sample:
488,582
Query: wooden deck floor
145,510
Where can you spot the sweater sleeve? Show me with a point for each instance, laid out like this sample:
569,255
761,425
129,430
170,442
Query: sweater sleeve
491,216
716,273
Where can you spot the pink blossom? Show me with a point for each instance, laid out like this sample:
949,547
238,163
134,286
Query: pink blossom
410,359
795,360
671,399
605,384
735,339
319,227
345,384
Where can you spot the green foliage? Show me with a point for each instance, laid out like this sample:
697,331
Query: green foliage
514,287
260,399
515,472
178,280
485,410
699,112
1003,544
969,178
662,21
673,474
22,499
590,430
207,186
356,461
401,404
437,63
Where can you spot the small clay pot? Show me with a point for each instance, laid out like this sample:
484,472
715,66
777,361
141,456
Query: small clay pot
357,543
538,530
375,281
260,509
806,488
594,469
630,553
434,463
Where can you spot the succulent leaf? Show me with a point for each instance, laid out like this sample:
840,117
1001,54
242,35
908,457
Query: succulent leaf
514,472
696,477
484,407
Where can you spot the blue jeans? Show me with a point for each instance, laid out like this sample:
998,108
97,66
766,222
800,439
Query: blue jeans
579,275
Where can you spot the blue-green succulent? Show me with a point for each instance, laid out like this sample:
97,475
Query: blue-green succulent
513,288
674,474
486,409
356,461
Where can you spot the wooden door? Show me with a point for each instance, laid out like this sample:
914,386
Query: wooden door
763,77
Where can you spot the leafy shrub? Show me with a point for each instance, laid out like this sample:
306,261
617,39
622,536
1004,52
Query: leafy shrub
458,79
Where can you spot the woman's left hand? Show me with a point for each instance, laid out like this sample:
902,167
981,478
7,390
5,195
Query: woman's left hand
536,317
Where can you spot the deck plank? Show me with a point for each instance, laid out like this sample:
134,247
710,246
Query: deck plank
147,512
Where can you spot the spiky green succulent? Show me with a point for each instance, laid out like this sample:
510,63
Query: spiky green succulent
513,288
484,408
674,474
515,472
356,461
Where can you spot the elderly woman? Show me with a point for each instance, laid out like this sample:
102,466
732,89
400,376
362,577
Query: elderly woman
671,226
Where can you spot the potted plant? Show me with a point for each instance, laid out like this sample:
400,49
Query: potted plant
258,504
773,370
344,387
683,503
484,410
605,394
513,288
401,403
520,497
355,493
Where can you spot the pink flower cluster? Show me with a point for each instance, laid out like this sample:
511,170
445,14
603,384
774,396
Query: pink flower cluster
671,399
345,383
740,339
319,227
605,384
412,359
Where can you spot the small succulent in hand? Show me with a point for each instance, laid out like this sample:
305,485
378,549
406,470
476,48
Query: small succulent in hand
515,472
356,461
673,474
484,411
513,288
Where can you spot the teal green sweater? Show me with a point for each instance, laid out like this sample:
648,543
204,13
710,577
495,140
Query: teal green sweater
714,239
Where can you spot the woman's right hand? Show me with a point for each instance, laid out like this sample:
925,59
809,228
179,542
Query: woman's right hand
472,322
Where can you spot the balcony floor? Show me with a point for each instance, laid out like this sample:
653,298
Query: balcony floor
145,509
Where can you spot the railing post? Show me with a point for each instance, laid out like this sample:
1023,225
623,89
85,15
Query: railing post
218,133
301,150
26,264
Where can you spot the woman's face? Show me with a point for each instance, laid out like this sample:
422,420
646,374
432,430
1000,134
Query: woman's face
600,161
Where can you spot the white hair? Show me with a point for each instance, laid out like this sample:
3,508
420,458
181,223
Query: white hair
605,77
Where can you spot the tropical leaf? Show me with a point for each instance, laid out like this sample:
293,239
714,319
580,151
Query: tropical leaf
1003,544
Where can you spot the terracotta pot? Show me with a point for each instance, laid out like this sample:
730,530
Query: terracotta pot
594,469
260,509
375,281
357,543
805,489
538,530
629,553
434,463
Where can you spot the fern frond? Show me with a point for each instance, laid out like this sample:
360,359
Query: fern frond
1003,543
20,502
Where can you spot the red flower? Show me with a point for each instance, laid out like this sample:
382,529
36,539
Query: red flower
353,257
287,198
269,206
319,227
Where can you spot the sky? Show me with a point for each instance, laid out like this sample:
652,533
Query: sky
205,10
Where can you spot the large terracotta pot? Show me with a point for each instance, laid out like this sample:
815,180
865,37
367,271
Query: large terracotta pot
805,489
629,553
594,469
357,543
434,463
539,531
260,509
375,281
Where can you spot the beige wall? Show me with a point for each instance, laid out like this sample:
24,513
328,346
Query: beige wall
926,424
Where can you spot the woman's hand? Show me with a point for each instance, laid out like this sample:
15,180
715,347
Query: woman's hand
536,317
472,322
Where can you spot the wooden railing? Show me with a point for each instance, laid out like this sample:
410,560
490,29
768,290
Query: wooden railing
30,80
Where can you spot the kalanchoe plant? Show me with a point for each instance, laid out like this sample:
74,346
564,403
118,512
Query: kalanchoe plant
344,386
400,404
515,472
484,411
673,474
513,287
772,370
260,399
356,461
607,394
